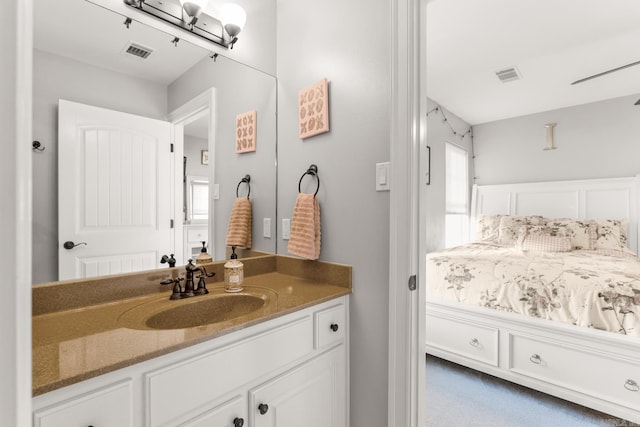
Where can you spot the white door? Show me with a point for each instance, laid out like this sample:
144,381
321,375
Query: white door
115,185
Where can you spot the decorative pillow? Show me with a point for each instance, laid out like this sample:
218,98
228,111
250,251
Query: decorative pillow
509,229
582,233
488,227
611,234
545,243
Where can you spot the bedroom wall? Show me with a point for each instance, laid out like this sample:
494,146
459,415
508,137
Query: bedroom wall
596,140
438,133
347,42
54,78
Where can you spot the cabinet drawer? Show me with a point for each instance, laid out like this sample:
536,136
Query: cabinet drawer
110,406
189,386
573,368
330,326
470,340
197,235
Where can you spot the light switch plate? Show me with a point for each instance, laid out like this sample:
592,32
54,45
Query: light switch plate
266,228
383,176
216,192
286,228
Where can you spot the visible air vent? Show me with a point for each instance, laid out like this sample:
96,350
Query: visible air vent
508,74
137,50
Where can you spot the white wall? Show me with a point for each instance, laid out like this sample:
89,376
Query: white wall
54,78
239,89
347,42
438,134
193,147
15,212
596,140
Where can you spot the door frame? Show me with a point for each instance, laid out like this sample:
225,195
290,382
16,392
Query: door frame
16,165
406,391
205,103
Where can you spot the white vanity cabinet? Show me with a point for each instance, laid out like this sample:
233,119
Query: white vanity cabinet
311,395
229,414
296,365
109,405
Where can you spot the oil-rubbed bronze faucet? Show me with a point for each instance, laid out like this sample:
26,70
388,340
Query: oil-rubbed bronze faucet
189,288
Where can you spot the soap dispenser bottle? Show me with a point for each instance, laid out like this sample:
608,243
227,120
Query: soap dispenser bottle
233,273
203,257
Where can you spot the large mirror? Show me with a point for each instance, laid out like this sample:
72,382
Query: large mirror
81,56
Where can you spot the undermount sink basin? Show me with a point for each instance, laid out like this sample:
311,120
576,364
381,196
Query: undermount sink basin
205,312
200,311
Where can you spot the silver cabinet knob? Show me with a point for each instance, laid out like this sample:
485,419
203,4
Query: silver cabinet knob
536,359
474,342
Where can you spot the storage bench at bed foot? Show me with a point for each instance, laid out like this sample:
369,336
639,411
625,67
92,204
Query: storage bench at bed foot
603,376
472,340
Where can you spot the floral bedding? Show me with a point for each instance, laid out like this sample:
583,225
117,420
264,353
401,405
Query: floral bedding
597,288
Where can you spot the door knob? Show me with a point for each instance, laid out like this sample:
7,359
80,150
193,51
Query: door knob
238,422
70,245
263,408
334,327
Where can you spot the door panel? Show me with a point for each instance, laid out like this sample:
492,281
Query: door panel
115,191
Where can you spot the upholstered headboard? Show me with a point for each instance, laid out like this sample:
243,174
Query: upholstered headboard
613,198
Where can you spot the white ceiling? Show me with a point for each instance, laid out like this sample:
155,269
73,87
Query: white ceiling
551,42
80,30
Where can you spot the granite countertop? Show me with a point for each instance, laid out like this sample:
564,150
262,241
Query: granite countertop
80,339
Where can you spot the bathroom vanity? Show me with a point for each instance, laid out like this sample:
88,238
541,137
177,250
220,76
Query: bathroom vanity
282,364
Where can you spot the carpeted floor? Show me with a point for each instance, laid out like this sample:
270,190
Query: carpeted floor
458,396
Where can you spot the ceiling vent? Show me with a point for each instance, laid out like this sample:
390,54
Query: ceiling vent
508,75
137,50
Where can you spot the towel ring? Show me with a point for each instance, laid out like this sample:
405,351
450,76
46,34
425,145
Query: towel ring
313,170
247,180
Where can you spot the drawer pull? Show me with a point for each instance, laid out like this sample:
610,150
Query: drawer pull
536,359
263,408
238,422
334,327
631,385
474,343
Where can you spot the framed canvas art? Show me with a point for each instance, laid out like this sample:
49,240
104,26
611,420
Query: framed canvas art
313,109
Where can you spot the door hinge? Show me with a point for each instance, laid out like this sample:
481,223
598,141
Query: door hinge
171,147
171,223
413,283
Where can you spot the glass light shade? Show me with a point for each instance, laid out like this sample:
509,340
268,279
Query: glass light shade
193,7
201,3
233,18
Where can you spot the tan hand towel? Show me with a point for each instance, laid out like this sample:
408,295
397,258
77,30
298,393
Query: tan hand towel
239,230
304,239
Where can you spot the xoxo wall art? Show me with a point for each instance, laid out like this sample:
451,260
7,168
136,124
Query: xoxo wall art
246,132
313,109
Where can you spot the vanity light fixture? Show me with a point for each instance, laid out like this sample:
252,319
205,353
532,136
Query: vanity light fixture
192,16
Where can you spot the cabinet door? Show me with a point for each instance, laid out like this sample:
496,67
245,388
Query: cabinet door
311,395
230,414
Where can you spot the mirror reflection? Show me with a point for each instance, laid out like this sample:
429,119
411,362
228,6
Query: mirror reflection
87,64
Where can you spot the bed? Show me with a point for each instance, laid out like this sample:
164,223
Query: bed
547,294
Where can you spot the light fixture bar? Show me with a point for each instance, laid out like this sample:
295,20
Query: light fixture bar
194,26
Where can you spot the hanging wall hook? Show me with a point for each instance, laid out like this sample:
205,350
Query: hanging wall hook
37,146
127,22
175,41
